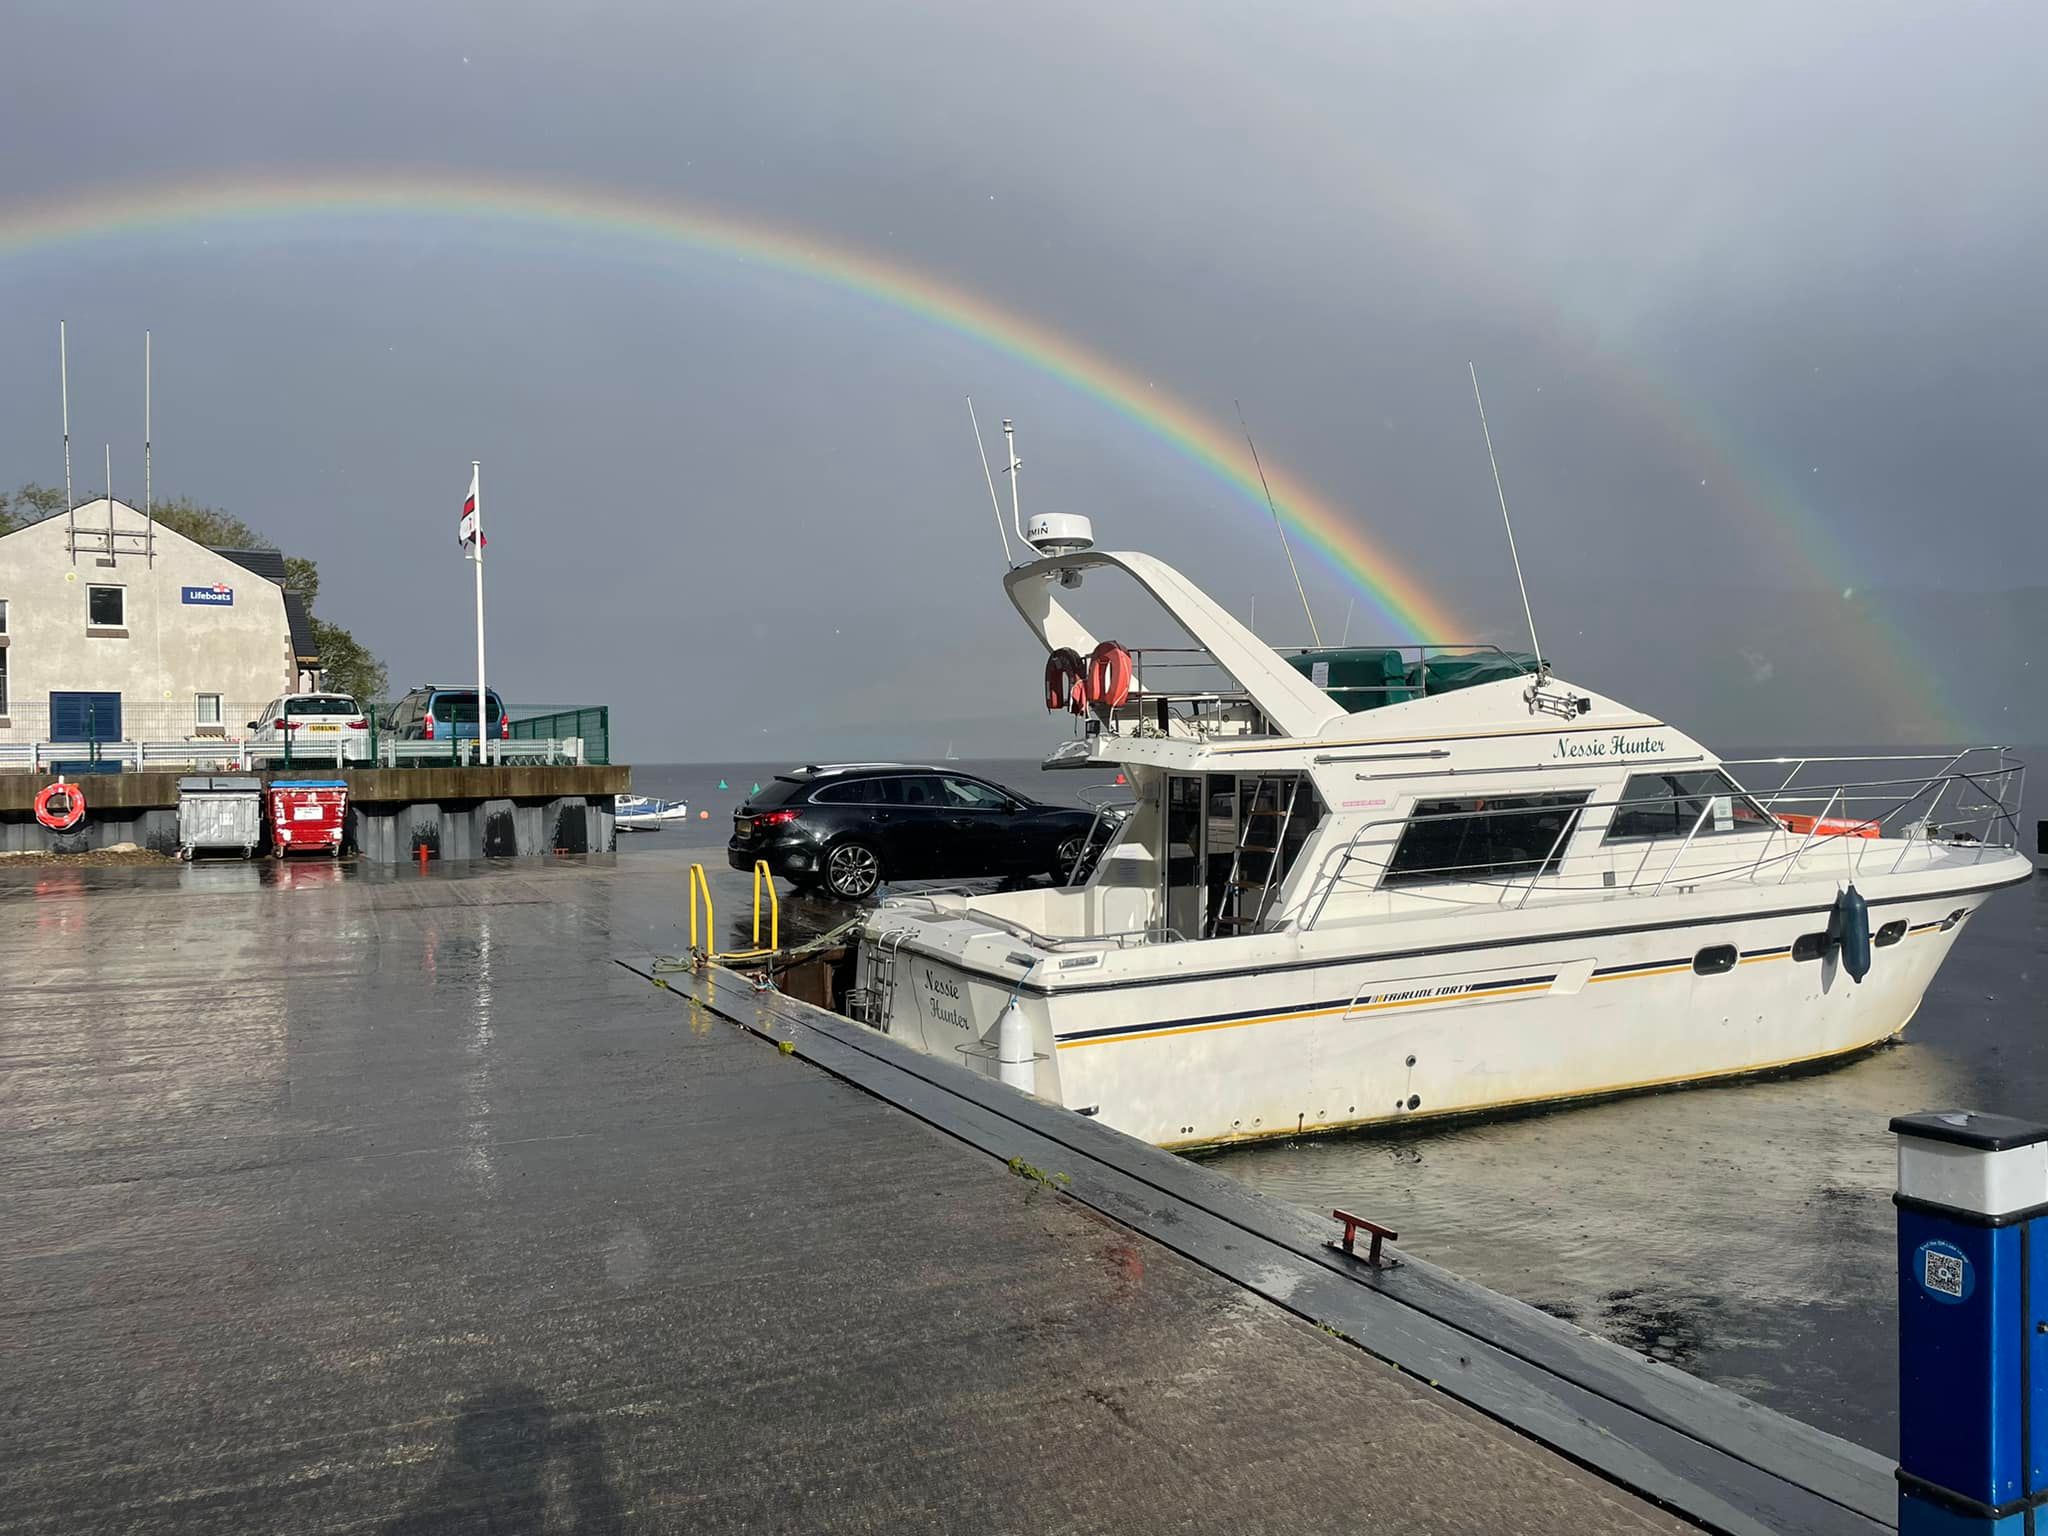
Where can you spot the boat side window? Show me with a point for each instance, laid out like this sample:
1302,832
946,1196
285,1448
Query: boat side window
1671,804
1482,838
1890,933
1714,960
1809,946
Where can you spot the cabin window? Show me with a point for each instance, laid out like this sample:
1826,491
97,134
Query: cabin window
1672,804
1483,838
1809,946
1891,933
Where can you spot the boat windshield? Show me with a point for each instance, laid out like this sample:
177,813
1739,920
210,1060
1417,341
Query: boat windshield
1366,677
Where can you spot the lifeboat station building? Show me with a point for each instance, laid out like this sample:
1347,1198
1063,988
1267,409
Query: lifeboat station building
115,628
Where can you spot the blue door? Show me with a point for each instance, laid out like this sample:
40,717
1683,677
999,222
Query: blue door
85,717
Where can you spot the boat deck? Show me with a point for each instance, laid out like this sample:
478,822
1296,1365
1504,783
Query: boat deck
352,1199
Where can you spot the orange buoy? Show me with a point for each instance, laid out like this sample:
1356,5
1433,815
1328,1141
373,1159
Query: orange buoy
60,806
1109,675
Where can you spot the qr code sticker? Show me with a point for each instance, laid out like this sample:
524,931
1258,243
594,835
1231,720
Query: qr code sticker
1944,1273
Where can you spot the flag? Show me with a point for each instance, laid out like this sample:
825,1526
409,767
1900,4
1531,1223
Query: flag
468,529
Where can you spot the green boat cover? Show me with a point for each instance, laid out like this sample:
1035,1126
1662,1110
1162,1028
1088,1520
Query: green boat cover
1362,678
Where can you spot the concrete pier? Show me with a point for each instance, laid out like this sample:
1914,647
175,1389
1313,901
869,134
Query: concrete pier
344,1198
517,810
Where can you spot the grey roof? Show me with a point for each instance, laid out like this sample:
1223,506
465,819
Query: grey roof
267,563
300,618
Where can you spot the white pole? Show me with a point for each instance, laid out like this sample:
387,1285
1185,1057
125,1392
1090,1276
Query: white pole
64,391
476,553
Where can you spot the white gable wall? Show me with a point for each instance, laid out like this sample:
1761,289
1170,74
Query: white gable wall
168,651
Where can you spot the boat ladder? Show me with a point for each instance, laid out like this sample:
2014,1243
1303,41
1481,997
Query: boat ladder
1261,835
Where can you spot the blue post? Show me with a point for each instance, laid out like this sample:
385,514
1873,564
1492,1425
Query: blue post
1973,1324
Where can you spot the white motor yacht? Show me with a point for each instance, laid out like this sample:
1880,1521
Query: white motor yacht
1385,883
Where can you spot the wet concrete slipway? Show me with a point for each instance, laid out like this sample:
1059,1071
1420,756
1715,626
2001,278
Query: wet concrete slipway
339,1199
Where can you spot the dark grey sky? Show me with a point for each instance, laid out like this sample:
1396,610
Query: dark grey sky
1754,292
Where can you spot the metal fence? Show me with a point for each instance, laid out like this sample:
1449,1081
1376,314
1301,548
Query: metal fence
589,723
108,733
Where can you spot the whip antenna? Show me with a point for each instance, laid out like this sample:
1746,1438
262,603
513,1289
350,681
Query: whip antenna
1537,650
982,448
1279,527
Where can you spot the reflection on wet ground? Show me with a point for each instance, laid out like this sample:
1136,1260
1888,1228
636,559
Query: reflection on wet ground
352,1199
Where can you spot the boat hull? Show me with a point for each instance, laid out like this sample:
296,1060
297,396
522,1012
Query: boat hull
1215,1055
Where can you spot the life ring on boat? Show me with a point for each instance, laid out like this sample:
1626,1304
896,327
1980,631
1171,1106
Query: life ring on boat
1109,675
70,809
1066,681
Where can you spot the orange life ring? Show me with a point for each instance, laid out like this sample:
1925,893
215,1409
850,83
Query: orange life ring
1109,675
1066,681
72,813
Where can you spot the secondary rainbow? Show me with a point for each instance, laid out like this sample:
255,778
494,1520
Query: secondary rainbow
1330,532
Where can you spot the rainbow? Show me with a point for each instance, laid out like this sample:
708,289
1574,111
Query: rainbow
1326,529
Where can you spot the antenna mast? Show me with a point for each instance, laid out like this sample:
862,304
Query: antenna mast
993,501
1010,449
1541,666
110,502
148,514
64,394
1279,527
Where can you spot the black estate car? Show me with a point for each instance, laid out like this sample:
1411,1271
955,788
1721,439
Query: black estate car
850,826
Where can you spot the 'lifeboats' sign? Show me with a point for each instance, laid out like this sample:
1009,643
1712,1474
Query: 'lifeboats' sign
219,595
1617,745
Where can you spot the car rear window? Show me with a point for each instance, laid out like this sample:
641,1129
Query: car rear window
915,789
460,708
851,792
325,704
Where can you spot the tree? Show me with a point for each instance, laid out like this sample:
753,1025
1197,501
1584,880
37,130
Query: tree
349,665
31,504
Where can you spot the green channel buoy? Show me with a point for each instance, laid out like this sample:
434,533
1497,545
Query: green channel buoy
723,785
755,790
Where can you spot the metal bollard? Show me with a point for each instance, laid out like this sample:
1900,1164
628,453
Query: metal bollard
1973,1323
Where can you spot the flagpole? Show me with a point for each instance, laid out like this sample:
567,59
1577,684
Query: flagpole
476,553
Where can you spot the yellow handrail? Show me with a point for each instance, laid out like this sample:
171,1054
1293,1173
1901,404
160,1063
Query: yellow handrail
701,883
763,877
700,888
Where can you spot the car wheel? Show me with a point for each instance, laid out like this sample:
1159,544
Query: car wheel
852,871
1065,857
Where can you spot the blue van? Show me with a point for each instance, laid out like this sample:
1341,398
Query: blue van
435,713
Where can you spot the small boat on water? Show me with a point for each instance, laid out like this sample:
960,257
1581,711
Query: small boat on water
639,813
1374,884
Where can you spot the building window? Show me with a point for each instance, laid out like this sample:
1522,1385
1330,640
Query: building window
1495,837
208,708
1672,804
3,681
106,607
3,615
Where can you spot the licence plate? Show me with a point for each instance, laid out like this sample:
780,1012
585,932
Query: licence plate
323,727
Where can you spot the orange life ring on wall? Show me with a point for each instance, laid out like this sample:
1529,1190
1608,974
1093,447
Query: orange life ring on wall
1066,681
1109,675
73,811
